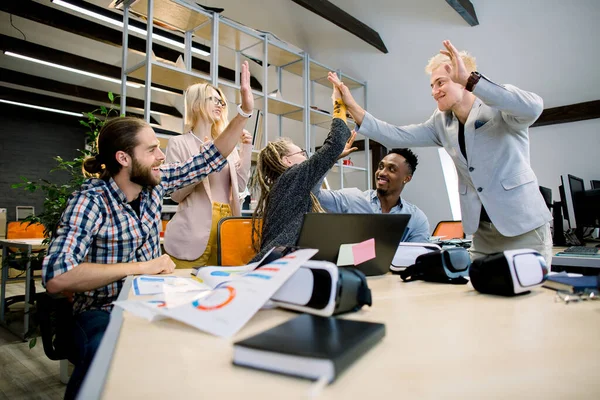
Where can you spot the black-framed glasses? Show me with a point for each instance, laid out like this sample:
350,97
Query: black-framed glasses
302,151
216,101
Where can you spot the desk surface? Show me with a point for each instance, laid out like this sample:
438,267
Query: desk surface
442,341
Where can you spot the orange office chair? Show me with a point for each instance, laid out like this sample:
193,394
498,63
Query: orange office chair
234,241
17,260
449,230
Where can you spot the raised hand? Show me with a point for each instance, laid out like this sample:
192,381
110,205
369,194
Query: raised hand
348,149
458,72
246,91
246,137
160,265
343,89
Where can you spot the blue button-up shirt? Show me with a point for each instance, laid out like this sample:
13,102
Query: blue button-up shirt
99,226
352,200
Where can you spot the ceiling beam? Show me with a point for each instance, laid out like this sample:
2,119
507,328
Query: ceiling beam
80,26
569,113
341,18
49,85
466,10
22,96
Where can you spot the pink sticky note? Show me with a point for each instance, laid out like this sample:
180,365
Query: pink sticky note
363,251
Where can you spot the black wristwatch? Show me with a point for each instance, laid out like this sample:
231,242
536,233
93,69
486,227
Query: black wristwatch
472,81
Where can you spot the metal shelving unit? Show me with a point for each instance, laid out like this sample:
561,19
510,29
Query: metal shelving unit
192,21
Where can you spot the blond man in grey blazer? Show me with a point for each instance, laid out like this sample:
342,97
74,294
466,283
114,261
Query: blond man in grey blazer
485,129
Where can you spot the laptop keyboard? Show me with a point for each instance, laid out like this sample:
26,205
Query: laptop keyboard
581,250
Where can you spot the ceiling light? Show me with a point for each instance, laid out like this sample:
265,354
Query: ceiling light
132,28
41,108
77,71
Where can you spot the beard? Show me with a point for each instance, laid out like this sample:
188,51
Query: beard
382,192
143,175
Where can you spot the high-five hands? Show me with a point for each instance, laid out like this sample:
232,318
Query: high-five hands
343,89
458,72
246,91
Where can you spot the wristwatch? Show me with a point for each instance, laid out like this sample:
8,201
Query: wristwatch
472,81
242,113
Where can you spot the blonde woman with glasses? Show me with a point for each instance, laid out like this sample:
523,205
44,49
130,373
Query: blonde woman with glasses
191,236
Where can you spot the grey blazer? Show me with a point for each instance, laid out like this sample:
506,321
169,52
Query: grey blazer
498,173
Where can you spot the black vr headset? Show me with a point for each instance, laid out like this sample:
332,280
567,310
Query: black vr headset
443,266
321,288
508,273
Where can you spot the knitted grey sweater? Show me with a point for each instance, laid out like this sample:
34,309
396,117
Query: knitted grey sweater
290,195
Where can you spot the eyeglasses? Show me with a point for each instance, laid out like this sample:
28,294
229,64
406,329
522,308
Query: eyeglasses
216,101
566,297
302,151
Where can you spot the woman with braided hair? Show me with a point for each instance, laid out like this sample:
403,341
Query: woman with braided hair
287,177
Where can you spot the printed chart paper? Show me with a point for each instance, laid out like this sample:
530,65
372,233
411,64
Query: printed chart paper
227,308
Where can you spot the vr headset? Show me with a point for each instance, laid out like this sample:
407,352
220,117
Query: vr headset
442,266
508,273
407,253
321,288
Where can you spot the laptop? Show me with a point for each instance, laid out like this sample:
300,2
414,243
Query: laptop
327,232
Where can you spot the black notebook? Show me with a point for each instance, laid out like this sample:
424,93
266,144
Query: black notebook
309,346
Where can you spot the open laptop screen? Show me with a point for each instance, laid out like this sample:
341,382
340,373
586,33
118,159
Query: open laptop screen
327,232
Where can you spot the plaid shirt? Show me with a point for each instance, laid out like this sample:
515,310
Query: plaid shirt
99,226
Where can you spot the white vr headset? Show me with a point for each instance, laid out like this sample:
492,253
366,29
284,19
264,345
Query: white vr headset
508,273
321,288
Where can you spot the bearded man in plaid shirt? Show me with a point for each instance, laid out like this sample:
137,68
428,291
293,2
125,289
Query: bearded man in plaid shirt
110,228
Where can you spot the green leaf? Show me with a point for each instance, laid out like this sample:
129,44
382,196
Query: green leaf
111,96
32,342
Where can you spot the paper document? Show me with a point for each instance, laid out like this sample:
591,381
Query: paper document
152,284
227,308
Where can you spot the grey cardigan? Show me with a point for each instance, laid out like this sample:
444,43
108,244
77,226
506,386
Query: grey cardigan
290,196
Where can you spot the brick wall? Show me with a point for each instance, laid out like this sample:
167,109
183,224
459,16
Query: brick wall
29,139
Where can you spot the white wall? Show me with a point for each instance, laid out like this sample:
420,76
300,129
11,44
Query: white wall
572,148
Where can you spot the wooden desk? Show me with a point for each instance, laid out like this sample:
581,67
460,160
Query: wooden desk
442,341
28,245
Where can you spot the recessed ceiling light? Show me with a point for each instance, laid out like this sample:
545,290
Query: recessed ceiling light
132,28
55,110
65,68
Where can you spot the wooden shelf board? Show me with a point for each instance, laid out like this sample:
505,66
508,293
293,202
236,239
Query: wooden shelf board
170,13
169,76
228,36
316,73
280,107
277,55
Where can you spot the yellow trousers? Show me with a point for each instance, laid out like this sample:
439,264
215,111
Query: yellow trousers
209,257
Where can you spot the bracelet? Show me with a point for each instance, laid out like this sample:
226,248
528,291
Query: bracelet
242,113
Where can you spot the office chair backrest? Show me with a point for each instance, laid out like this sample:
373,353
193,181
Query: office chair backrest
234,241
449,230
24,230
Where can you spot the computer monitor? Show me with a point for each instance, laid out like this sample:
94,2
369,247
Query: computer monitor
595,184
570,194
